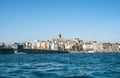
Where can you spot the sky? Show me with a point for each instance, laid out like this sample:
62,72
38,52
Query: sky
26,20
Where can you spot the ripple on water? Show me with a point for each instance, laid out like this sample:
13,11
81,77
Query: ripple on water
60,66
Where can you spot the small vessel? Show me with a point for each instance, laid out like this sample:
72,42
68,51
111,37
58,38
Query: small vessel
16,52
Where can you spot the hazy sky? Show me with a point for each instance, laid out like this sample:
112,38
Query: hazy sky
26,20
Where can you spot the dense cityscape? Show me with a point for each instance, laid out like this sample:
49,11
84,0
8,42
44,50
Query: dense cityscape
62,44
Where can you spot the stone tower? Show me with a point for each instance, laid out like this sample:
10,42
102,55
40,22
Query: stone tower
59,35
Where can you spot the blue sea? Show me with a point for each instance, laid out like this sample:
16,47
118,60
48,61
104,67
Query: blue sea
95,65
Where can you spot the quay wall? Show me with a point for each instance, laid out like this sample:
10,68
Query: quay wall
6,51
29,51
39,51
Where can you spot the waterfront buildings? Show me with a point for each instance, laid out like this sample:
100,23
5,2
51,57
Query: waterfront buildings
2,45
63,44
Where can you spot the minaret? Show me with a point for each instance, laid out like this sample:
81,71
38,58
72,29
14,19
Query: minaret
59,35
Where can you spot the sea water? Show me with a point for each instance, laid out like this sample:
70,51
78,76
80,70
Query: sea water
94,65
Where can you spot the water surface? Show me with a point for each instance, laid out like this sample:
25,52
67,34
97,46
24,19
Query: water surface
96,65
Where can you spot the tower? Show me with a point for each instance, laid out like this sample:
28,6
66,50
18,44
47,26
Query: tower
59,35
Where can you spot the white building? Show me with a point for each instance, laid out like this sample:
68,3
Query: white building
48,45
35,44
87,47
54,46
97,46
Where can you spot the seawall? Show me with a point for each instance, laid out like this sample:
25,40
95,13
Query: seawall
29,51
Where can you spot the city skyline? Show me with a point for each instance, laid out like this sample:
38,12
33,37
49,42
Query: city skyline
26,20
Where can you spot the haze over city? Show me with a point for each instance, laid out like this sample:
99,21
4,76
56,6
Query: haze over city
25,20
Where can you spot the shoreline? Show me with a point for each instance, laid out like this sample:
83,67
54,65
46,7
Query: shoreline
40,51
